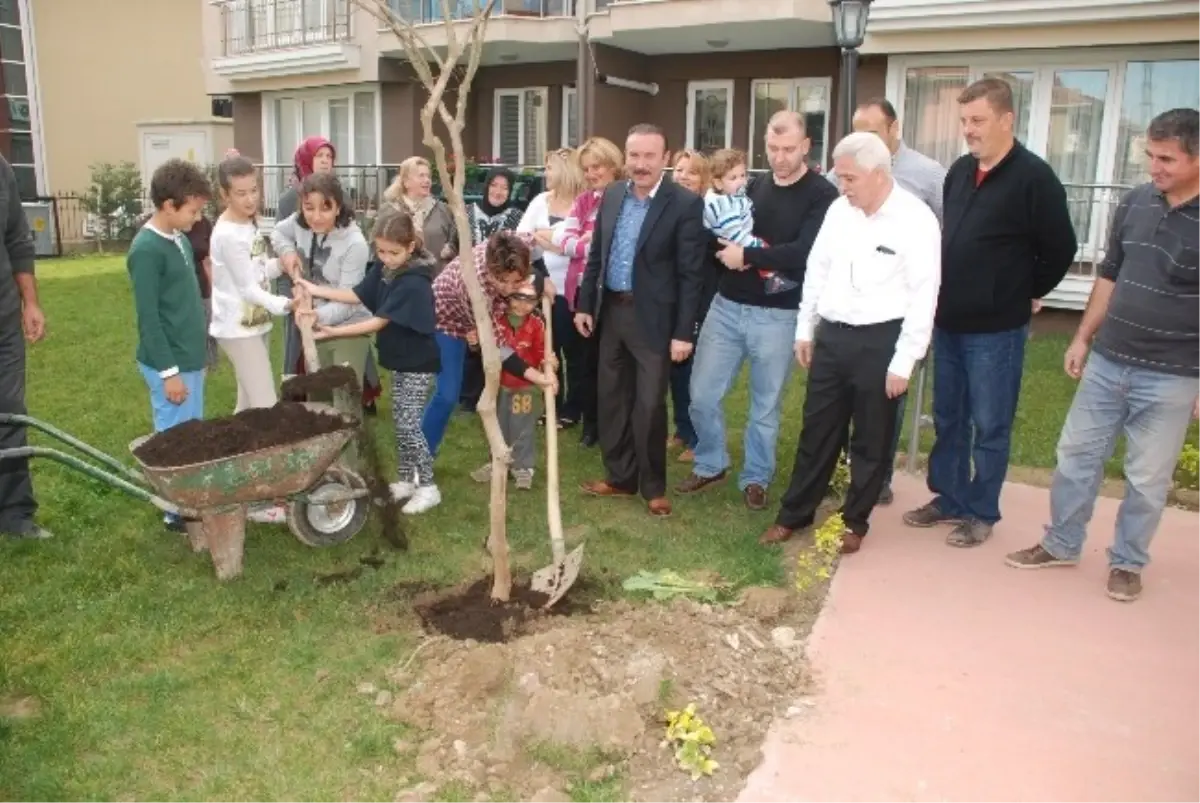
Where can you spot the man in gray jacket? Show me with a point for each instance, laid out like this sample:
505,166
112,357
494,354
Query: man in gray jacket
21,319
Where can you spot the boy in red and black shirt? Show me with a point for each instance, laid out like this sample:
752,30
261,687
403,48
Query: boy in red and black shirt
517,406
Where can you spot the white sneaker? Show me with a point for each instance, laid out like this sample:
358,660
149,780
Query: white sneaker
523,477
276,514
402,490
424,498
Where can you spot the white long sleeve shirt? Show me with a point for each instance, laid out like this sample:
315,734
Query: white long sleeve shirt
537,216
865,269
238,279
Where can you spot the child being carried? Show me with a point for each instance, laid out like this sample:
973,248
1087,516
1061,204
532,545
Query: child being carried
517,406
729,212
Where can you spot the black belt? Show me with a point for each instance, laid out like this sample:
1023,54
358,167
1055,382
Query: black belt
618,296
840,325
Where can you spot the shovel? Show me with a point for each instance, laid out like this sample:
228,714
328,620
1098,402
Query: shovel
556,579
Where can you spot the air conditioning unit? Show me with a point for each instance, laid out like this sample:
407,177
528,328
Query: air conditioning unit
40,215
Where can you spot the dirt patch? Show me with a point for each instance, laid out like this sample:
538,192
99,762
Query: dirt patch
248,431
572,701
19,707
326,380
470,614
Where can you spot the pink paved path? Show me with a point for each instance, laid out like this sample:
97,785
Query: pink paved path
945,675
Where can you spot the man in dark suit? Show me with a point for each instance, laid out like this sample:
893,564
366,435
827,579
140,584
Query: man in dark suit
640,295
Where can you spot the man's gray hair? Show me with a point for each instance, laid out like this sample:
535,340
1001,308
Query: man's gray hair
866,149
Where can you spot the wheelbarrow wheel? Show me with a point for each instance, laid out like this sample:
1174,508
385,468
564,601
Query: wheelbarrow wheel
320,525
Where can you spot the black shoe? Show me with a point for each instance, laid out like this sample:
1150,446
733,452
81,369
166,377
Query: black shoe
370,409
175,525
588,438
886,497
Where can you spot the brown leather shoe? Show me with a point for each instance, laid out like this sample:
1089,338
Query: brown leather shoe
851,542
660,507
776,534
602,489
755,497
694,483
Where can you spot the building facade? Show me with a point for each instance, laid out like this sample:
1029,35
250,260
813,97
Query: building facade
75,94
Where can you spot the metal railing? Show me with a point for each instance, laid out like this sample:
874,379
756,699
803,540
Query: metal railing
431,11
252,26
1091,207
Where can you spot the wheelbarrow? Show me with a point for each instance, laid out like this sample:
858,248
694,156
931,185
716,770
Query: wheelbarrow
327,503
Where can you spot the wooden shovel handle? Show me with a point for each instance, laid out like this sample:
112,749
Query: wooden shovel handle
553,503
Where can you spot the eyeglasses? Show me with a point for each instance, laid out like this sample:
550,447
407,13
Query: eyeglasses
532,299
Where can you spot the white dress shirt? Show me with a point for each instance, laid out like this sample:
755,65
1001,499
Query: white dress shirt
865,269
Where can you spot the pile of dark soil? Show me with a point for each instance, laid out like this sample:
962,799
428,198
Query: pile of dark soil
335,377
248,431
470,613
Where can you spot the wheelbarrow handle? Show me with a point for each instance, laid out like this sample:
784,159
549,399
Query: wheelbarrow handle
71,461
13,419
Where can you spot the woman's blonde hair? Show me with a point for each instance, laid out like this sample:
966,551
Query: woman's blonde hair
725,160
698,162
408,169
571,182
604,152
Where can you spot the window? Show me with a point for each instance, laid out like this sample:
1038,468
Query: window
570,120
347,118
808,96
709,115
256,25
1084,112
519,126
16,123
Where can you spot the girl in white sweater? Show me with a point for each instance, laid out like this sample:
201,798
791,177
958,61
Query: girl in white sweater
242,304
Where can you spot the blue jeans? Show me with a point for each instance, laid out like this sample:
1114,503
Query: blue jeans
1153,410
732,334
976,384
165,414
441,405
681,400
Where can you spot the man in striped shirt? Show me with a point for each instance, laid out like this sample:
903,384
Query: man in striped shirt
921,176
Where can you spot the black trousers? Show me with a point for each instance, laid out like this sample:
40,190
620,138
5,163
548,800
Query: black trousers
632,401
473,380
572,367
17,505
846,385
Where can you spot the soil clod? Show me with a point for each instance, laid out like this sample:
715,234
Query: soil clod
326,380
248,431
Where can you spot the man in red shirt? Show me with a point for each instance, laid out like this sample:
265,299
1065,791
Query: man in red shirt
517,406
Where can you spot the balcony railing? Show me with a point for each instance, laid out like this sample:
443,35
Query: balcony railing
254,26
431,11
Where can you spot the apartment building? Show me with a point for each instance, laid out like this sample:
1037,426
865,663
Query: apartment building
82,86
1087,75
715,70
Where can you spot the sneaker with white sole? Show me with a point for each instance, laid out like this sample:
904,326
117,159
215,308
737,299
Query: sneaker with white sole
402,491
275,514
424,498
523,478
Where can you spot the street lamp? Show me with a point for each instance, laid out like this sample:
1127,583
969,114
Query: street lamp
849,29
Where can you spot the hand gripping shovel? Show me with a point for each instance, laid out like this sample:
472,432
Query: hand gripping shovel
558,577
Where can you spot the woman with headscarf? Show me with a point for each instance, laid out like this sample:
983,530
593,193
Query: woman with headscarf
315,154
495,211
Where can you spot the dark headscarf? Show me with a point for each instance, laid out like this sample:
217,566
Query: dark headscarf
486,206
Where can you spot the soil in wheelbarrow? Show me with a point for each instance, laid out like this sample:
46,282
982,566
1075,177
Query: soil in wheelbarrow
248,431
326,380
468,613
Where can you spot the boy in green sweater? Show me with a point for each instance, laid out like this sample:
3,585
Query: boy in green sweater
172,345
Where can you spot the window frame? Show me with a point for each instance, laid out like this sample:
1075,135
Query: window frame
270,126
519,93
698,86
564,139
28,62
793,85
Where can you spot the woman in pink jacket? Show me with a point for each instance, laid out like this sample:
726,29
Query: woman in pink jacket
602,163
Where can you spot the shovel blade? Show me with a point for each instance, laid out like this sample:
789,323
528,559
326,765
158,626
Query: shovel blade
556,579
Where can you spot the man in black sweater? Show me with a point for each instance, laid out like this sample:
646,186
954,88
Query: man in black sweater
753,316
1007,239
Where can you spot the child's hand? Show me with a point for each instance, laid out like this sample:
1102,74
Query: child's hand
306,318
473,339
551,364
309,289
547,381
174,389
321,332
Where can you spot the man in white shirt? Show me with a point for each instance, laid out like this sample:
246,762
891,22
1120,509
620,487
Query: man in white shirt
866,317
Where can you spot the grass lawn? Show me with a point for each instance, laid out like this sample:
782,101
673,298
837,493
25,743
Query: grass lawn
154,682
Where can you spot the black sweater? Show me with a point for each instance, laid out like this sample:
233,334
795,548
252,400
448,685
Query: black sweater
1004,243
787,219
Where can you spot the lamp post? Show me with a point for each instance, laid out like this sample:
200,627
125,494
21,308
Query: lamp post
849,29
